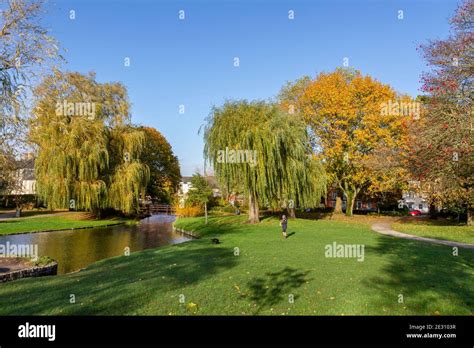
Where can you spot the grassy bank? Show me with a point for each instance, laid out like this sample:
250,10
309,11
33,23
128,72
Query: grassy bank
265,275
437,230
58,221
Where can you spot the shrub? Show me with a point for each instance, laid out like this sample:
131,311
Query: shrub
189,211
43,261
228,209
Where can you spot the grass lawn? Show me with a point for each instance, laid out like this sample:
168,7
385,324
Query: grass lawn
263,278
457,233
45,223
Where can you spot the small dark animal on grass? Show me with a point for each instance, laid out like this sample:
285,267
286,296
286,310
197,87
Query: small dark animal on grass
215,241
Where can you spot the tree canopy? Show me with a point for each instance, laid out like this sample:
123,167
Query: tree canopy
257,145
88,153
442,155
165,173
26,50
200,192
355,124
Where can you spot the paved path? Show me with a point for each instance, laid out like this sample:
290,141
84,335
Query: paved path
384,228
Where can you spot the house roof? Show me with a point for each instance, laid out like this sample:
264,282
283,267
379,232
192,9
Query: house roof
186,179
27,166
211,180
25,163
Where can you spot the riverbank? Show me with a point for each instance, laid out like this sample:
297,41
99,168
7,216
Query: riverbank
56,222
254,271
14,268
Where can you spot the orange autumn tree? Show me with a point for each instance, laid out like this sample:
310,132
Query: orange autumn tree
360,130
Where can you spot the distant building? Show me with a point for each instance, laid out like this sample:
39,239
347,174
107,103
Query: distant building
25,176
185,185
413,199
235,198
361,202
212,182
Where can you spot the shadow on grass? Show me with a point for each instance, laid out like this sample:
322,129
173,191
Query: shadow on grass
122,285
275,287
7,221
428,276
217,225
430,222
269,217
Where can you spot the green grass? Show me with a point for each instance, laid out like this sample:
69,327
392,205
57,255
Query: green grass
263,278
456,233
47,223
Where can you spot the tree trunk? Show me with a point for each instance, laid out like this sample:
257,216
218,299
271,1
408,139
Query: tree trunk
338,207
433,213
205,211
97,213
291,213
470,216
18,206
350,199
253,209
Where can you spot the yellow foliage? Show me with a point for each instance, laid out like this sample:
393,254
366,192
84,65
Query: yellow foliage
189,211
361,128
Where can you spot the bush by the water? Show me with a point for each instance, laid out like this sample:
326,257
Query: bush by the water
189,211
43,261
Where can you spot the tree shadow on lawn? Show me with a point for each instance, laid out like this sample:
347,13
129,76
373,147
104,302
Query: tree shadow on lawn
9,222
430,222
121,285
270,217
427,275
216,226
275,287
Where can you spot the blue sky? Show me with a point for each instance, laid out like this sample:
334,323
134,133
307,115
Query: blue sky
190,62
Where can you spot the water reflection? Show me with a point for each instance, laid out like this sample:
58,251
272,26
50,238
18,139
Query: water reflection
79,248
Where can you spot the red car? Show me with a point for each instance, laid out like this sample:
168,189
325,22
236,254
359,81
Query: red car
415,213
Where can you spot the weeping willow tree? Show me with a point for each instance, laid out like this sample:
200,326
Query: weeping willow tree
129,177
256,145
87,151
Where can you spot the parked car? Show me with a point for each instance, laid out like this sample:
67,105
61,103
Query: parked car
415,212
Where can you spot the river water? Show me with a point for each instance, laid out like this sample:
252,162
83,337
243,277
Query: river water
76,249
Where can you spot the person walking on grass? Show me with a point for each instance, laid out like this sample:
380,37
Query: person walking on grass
284,225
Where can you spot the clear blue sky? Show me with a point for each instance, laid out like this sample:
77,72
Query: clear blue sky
190,61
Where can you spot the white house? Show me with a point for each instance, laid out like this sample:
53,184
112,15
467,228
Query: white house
185,185
25,176
414,199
